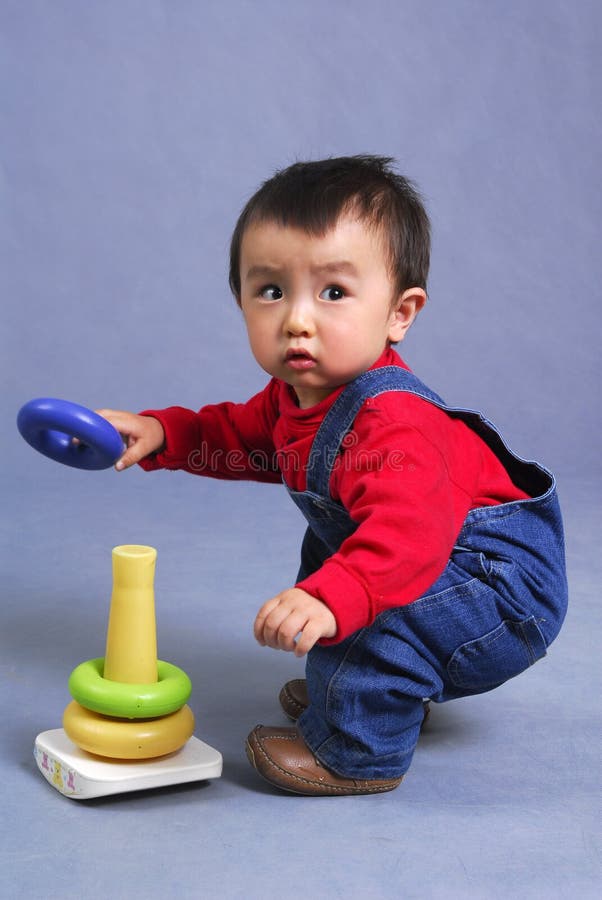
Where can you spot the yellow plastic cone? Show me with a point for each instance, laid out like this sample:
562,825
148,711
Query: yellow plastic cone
131,652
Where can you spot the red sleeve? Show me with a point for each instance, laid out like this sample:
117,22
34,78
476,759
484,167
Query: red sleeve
224,440
395,484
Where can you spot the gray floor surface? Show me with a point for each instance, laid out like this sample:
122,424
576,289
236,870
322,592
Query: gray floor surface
502,799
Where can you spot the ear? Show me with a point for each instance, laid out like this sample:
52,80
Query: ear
407,307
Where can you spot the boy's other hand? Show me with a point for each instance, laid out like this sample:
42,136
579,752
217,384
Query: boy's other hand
290,614
143,435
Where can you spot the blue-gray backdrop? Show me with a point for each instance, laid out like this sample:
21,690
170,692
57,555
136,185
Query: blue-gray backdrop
132,133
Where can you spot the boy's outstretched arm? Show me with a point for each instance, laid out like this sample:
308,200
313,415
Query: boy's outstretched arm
294,612
143,435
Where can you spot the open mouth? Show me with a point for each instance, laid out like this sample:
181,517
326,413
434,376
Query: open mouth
299,353
299,359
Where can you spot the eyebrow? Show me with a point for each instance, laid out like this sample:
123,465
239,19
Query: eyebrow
262,271
343,267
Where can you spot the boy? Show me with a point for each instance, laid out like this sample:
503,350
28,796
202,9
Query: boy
433,562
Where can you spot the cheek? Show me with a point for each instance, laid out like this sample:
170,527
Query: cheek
258,335
252,325
350,335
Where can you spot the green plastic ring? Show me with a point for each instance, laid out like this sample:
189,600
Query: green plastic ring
129,701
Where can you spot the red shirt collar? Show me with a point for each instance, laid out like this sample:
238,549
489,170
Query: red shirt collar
288,398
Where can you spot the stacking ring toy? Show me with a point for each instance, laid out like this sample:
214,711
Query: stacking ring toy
129,701
118,739
49,426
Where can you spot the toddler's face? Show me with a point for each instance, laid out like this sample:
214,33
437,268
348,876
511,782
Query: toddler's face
320,310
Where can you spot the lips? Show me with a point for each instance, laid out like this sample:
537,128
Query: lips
299,358
298,353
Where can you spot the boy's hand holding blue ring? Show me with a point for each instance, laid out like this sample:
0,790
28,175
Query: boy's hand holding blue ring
49,426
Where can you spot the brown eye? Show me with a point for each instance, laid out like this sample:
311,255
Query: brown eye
332,293
271,292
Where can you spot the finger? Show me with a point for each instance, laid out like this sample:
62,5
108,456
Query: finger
137,450
262,615
310,636
289,628
126,423
272,624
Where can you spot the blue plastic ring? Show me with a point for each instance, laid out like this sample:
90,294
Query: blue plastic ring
49,426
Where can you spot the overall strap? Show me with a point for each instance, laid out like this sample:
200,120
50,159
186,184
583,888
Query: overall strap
341,415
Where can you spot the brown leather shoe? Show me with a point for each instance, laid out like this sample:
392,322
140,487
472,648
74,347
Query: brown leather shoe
282,757
294,700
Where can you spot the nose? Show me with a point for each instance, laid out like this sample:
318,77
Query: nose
299,320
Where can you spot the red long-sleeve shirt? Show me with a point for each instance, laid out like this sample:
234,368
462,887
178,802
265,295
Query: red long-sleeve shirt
408,474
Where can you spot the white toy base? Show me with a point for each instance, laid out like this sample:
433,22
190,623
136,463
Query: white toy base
82,776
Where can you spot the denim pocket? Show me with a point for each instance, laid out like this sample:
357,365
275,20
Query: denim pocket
497,656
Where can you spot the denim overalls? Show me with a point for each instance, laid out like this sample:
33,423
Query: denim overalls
492,613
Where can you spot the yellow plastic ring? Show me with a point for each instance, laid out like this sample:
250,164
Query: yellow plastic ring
129,701
119,739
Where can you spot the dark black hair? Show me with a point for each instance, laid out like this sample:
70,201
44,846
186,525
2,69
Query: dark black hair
313,195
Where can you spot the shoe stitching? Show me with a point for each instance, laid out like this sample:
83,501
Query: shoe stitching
294,705
386,786
292,701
